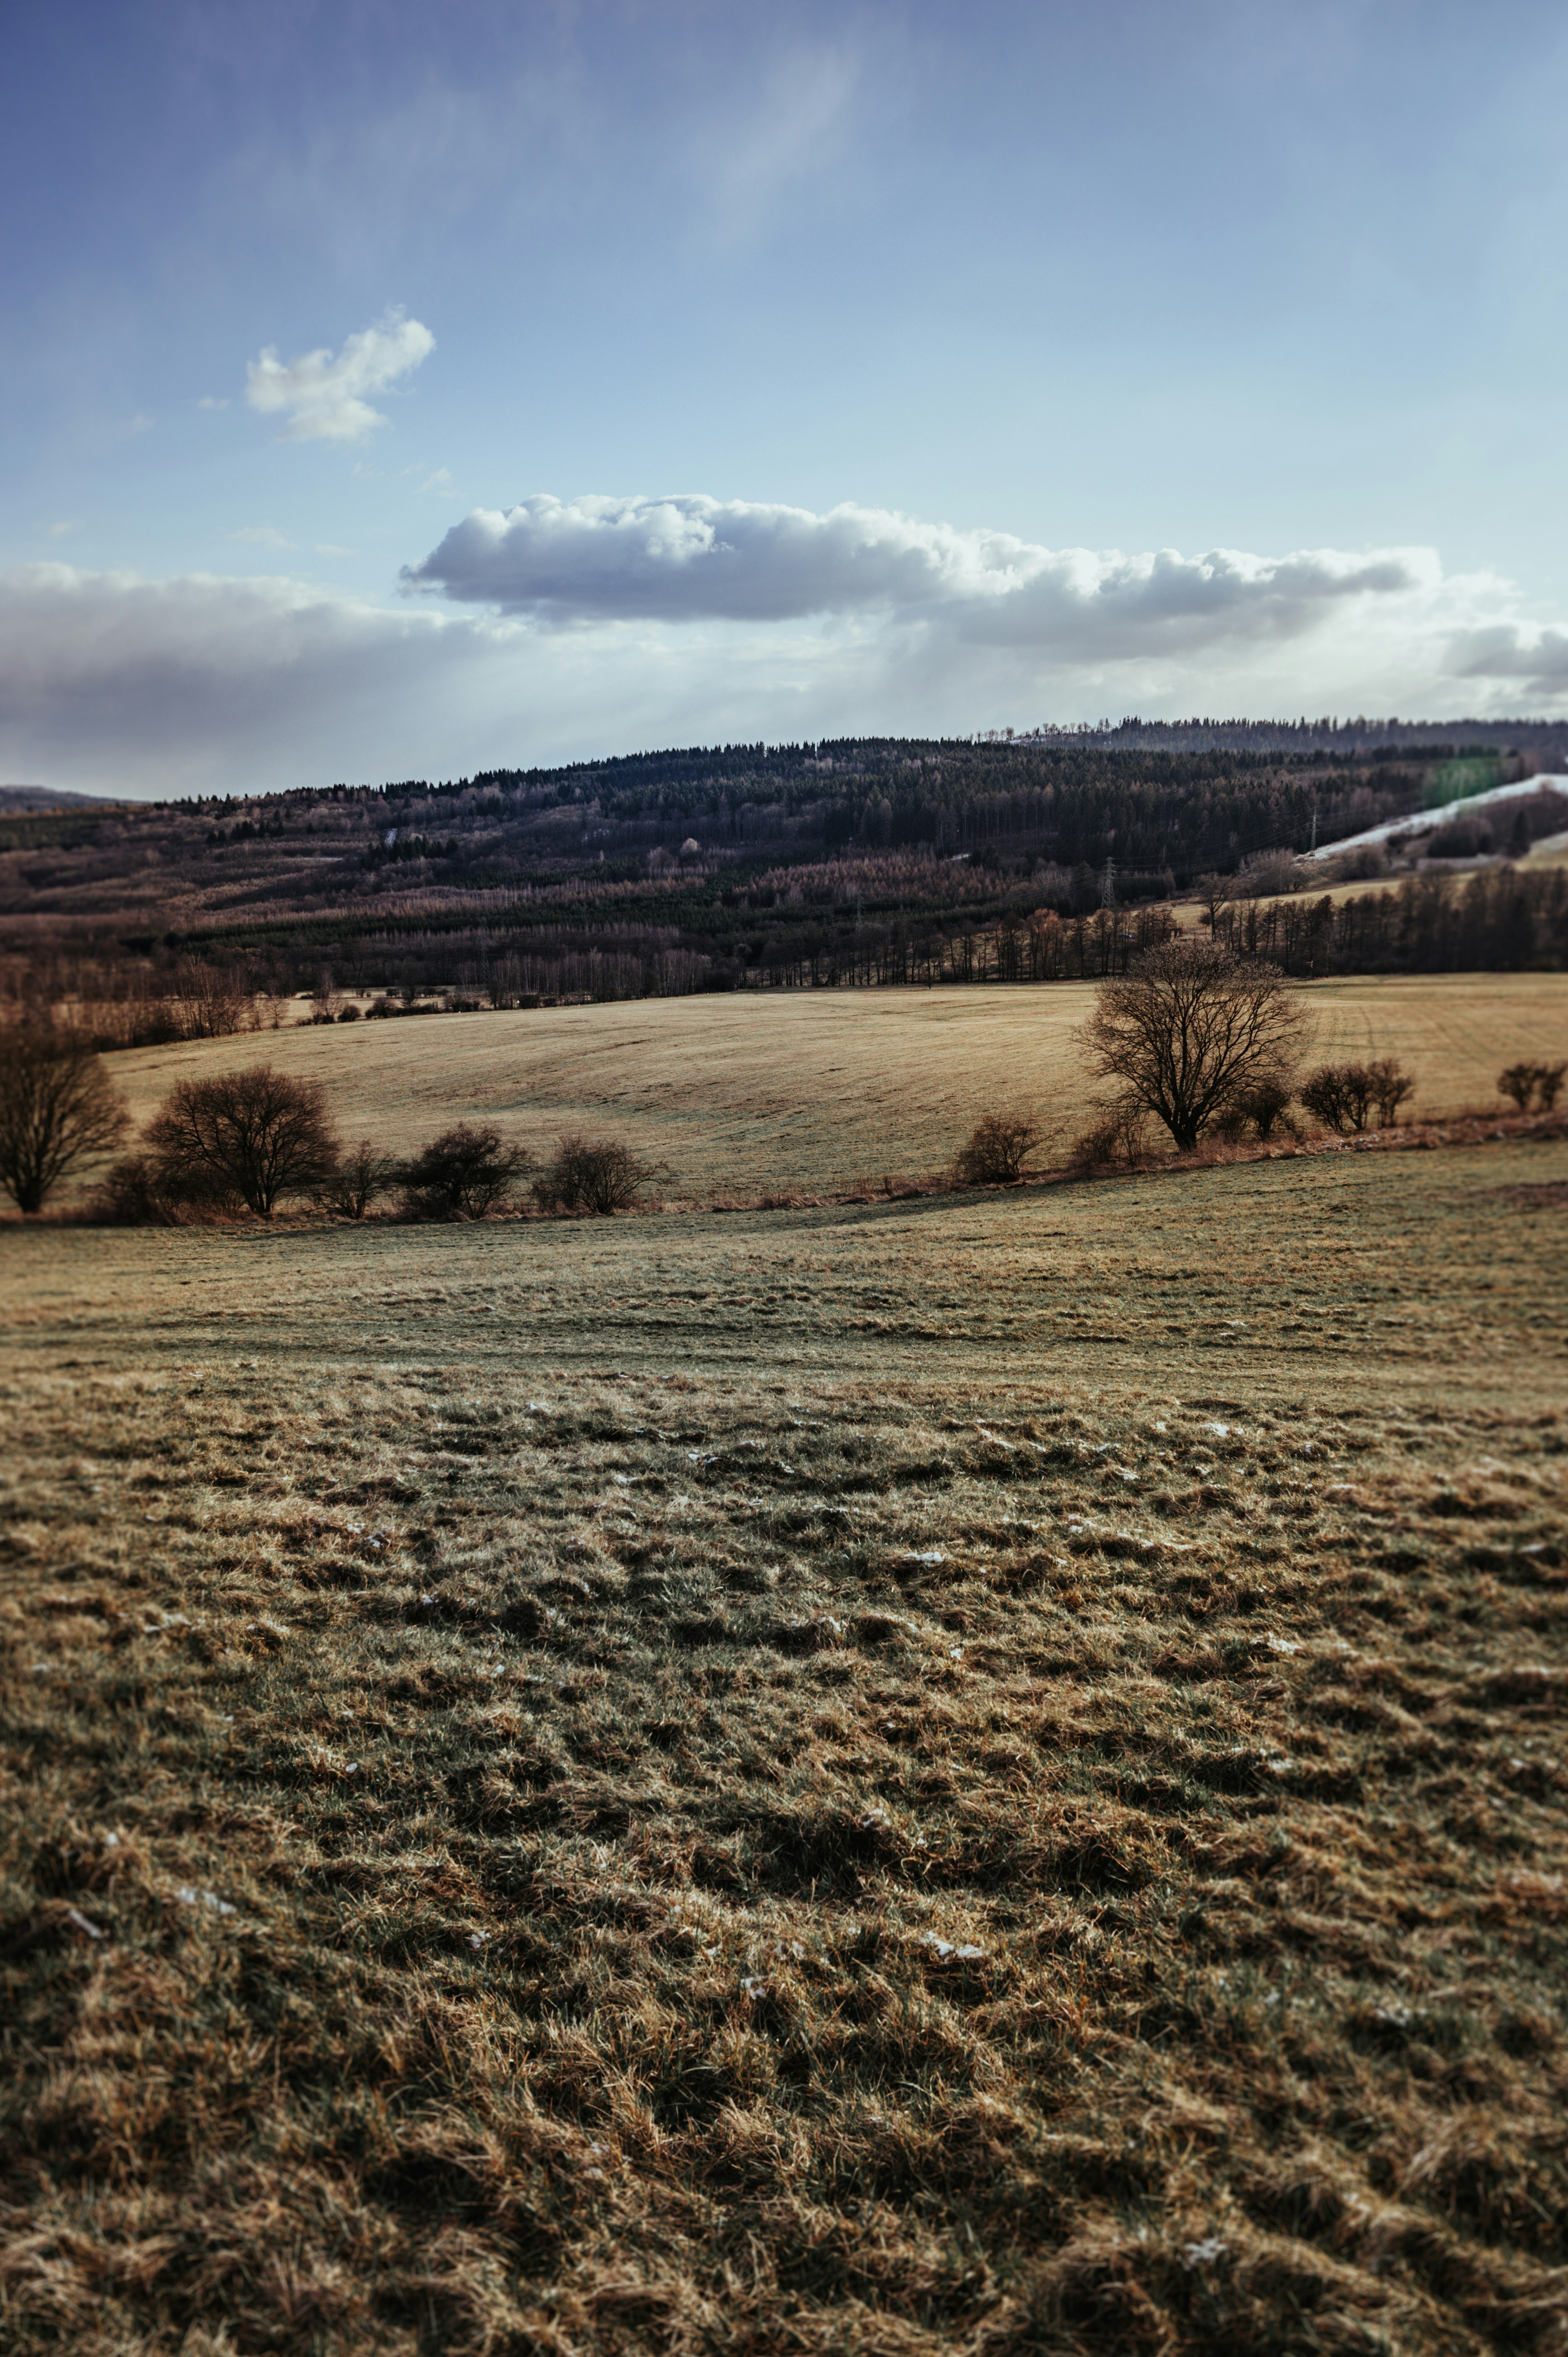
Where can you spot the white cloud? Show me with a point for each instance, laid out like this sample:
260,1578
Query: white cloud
326,397
207,402
688,558
114,682
265,536
63,525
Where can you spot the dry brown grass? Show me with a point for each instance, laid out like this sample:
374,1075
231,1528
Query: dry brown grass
792,1092
950,1776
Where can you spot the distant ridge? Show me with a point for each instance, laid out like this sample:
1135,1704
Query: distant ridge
1358,736
17,801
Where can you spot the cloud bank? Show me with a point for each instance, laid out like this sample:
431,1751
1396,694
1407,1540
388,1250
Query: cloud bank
689,559
325,396
610,624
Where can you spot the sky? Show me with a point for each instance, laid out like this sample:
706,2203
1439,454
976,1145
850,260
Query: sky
395,390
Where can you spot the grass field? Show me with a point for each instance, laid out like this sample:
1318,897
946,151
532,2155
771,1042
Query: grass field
962,1775
805,1090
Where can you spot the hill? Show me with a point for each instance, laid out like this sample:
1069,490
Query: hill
716,868
807,1091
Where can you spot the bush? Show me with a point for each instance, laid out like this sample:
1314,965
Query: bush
358,1178
58,1107
599,1176
128,1195
1462,838
997,1151
351,1014
1118,1141
1346,1097
1259,1109
464,1174
1264,873
1357,865
1534,1088
257,1135
1392,1087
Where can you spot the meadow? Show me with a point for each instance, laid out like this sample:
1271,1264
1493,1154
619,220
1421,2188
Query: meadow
969,1774
808,1091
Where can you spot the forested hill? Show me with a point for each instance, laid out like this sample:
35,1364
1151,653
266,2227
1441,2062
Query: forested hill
711,866
1159,814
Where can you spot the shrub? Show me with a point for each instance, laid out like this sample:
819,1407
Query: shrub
1392,1086
1266,873
1363,861
1260,1110
1345,1097
1190,1029
257,1135
58,1107
1117,1141
351,1014
361,1175
1265,1105
127,1196
464,1174
1339,1096
997,1151
1532,1087
1462,838
595,1175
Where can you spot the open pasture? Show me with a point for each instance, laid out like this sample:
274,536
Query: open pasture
802,1091
964,1775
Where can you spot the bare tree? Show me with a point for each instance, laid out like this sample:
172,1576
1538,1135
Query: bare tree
1392,1087
1189,1028
997,1151
58,1107
361,1175
1346,1097
597,1175
464,1174
1532,1086
1340,1096
259,1135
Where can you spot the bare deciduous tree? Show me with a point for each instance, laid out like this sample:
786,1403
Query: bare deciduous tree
58,1107
597,1175
464,1174
996,1150
361,1175
1346,1097
259,1135
1532,1087
1392,1087
1189,1028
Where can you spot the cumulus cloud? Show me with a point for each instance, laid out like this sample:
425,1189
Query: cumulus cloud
814,626
688,558
325,395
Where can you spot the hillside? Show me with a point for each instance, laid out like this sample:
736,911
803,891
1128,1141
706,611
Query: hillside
737,867
810,1090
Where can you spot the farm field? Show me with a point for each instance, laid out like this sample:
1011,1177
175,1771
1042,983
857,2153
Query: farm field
806,1090
969,1775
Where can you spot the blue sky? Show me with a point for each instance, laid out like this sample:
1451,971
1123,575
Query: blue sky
395,390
